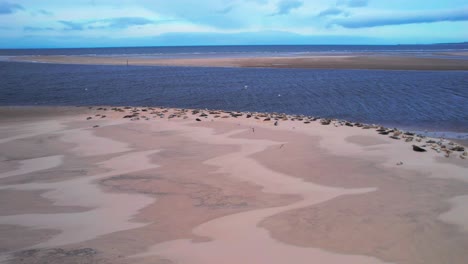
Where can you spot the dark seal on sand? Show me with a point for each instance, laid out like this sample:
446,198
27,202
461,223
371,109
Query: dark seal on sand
325,122
458,148
418,149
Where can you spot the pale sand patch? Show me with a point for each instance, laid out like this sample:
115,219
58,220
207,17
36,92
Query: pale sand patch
458,214
33,165
87,144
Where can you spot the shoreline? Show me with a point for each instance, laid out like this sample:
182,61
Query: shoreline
307,119
371,62
211,186
433,134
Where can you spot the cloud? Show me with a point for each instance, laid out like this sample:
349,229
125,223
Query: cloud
403,18
69,25
41,12
225,14
34,29
353,3
226,10
330,12
286,6
109,23
9,8
124,22
45,12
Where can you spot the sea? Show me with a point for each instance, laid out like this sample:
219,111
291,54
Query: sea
432,102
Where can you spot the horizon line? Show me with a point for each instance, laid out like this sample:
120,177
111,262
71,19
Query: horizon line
234,45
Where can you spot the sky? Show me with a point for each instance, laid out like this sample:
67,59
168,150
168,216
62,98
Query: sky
112,23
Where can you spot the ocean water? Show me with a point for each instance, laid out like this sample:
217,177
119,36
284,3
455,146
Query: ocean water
418,100
246,51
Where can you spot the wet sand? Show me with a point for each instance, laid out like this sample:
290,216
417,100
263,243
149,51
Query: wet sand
374,61
158,186
460,53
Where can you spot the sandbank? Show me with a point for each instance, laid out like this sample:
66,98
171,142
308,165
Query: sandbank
161,185
355,61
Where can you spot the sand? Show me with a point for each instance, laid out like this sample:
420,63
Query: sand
356,61
459,53
166,188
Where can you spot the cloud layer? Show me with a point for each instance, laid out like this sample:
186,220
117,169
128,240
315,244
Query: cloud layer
330,12
403,18
188,22
111,23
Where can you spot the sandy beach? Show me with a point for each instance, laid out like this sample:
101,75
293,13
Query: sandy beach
356,61
156,185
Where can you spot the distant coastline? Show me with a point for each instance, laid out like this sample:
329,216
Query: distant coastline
375,61
453,56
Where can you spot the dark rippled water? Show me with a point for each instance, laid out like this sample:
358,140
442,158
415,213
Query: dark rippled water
432,100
